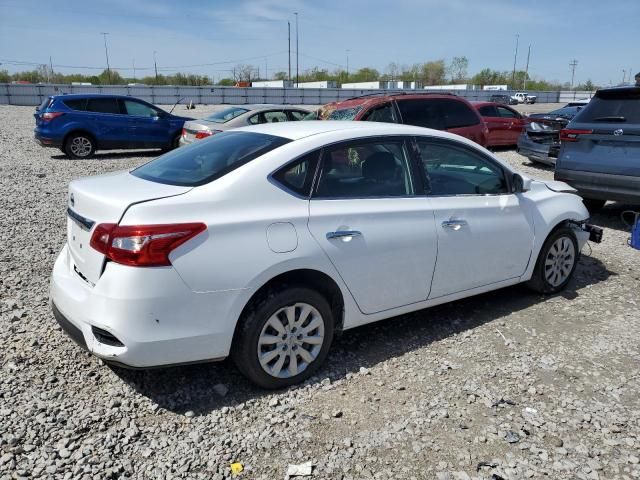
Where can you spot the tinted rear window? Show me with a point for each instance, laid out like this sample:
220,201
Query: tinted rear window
103,105
76,103
206,160
612,107
439,114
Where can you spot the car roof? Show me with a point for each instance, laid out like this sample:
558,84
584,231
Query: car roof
618,90
479,103
307,128
374,99
93,95
267,106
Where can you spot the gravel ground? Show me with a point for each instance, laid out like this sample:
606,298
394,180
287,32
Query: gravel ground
506,385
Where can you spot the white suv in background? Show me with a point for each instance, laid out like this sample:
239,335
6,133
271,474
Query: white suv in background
260,243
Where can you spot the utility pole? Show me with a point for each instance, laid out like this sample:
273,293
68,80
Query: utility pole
515,59
51,66
155,65
624,75
297,52
134,70
347,64
106,53
266,70
573,65
526,71
289,29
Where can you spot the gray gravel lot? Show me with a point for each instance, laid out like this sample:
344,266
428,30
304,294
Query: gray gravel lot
506,385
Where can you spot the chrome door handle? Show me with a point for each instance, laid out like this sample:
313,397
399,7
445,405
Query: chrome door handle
454,224
343,234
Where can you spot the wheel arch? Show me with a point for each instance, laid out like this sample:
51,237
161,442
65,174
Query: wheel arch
302,277
79,130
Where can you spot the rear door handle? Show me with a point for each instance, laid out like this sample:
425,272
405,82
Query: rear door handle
454,224
343,234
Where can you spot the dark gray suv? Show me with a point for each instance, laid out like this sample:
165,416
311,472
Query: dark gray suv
600,148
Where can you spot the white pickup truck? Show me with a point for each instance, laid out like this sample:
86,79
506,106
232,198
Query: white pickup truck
522,97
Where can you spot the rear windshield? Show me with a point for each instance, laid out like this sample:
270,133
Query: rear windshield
45,103
344,114
227,114
612,107
206,160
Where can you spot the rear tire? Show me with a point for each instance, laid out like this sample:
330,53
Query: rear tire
80,146
556,262
593,205
283,337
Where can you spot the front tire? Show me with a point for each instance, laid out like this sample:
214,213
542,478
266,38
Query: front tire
80,146
283,337
556,262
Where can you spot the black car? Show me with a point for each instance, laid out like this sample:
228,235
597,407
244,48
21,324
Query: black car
540,140
504,99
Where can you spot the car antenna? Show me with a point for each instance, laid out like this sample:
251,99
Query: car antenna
174,105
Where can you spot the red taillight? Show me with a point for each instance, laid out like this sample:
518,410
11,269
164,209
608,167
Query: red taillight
203,134
142,245
571,135
184,132
48,116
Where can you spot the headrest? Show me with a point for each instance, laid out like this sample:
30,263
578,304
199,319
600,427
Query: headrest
379,166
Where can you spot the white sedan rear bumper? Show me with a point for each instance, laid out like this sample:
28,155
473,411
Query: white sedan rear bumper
141,317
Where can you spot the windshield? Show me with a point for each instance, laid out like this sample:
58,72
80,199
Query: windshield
204,161
344,114
226,114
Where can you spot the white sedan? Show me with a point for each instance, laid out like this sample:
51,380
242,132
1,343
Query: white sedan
262,242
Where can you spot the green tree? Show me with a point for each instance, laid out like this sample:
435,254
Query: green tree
458,69
4,76
226,82
433,73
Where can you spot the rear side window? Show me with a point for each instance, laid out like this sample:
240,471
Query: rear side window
295,115
298,176
203,162
422,113
507,113
76,104
612,108
103,105
458,114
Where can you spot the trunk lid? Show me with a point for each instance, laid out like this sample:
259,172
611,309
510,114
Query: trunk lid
104,199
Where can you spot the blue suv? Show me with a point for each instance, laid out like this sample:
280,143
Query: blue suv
81,124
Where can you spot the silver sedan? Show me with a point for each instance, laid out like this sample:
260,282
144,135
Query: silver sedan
238,116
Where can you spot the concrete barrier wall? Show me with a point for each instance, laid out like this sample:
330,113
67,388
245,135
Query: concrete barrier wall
33,95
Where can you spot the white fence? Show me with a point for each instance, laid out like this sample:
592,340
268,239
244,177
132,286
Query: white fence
11,94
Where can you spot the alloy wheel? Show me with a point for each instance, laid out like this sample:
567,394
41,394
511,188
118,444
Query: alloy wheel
559,261
80,146
291,340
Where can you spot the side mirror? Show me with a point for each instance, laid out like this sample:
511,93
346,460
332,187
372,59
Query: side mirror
520,184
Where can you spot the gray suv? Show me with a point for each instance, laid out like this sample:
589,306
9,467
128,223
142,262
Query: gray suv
600,148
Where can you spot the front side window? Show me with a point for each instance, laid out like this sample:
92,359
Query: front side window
383,113
103,105
453,169
203,162
274,117
488,111
298,176
295,115
365,169
507,113
139,109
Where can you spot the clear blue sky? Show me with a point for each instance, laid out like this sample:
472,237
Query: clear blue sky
602,36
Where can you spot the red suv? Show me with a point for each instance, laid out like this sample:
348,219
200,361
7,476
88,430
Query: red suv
439,111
